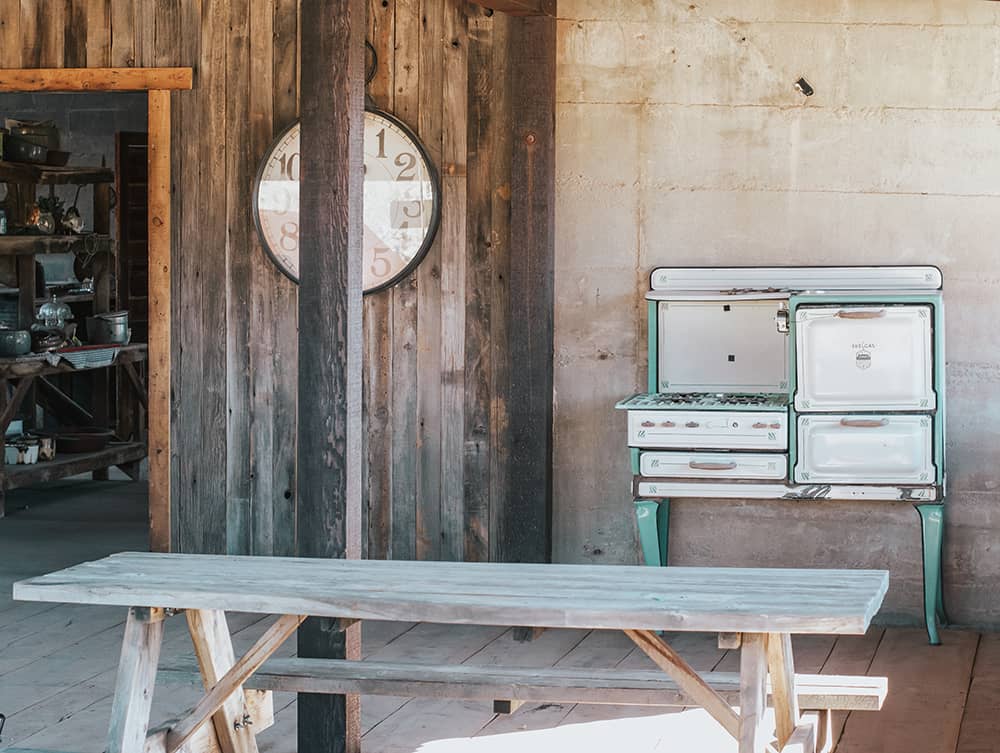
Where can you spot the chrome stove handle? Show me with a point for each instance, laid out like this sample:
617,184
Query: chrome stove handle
861,314
864,423
694,465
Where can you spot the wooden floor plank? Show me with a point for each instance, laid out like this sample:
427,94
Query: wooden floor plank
980,731
928,686
851,655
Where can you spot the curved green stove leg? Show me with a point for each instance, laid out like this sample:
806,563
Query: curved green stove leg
653,518
932,537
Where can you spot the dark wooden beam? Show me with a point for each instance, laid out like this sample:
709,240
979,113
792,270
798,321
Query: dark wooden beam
521,7
328,513
526,529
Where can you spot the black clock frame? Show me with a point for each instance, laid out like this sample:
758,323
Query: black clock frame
435,220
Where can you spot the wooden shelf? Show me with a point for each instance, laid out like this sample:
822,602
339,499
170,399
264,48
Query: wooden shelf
65,465
46,175
38,365
68,298
20,245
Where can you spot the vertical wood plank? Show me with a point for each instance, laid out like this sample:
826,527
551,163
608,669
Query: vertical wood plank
378,366
52,17
97,42
214,650
134,682
500,311
428,362
479,288
239,176
409,481
123,30
329,447
753,693
31,48
10,34
159,321
526,523
454,151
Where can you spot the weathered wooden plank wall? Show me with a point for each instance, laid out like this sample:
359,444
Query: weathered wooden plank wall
437,460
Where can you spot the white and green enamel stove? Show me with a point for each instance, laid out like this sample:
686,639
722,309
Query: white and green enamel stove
819,383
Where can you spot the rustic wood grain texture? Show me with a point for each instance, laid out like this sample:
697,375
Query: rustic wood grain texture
424,498
160,308
753,693
522,7
224,694
134,683
428,376
240,164
478,370
475,681
213,649
330,366
526,526
454,195
406,481
10,34
377,316
586,596
58,78
781,670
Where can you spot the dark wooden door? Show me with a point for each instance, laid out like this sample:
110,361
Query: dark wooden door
133,240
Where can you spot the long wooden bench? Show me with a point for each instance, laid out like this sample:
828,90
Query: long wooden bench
528,685
765,607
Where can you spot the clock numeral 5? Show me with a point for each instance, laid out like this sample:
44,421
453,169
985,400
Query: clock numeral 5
381,266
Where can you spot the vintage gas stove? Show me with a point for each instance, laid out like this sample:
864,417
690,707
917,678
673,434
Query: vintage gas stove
793,383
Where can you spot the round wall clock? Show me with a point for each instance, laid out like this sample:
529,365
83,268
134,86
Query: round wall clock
402,201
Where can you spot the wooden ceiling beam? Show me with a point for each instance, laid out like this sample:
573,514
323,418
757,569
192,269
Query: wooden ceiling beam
521,7
94,79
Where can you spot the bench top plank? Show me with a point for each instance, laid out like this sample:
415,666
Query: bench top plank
575,596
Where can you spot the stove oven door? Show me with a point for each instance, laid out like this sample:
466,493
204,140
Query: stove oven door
865,449
864,358
720,465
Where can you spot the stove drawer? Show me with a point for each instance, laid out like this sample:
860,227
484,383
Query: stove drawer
865,449
864,358
729,465
708,430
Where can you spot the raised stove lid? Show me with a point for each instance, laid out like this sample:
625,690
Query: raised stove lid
704,401
782,279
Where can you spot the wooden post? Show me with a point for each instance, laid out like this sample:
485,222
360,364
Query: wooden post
328,514
526,523
159,320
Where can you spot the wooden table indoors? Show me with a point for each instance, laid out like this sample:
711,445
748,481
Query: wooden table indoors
758,609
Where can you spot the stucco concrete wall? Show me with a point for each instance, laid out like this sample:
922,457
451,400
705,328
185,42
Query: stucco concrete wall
682,141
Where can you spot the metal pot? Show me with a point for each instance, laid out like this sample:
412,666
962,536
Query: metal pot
108,329
14,342
43,134
20,150
83,439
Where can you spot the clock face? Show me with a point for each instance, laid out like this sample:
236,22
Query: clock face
402,205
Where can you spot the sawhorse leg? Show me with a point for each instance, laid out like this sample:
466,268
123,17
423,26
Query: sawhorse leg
932,537
136,678
653,518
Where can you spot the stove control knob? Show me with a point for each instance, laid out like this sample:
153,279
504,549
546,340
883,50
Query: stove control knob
775,426
692,424
668,424
648,424
759,425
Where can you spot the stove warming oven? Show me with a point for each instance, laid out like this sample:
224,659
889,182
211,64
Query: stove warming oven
819,383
